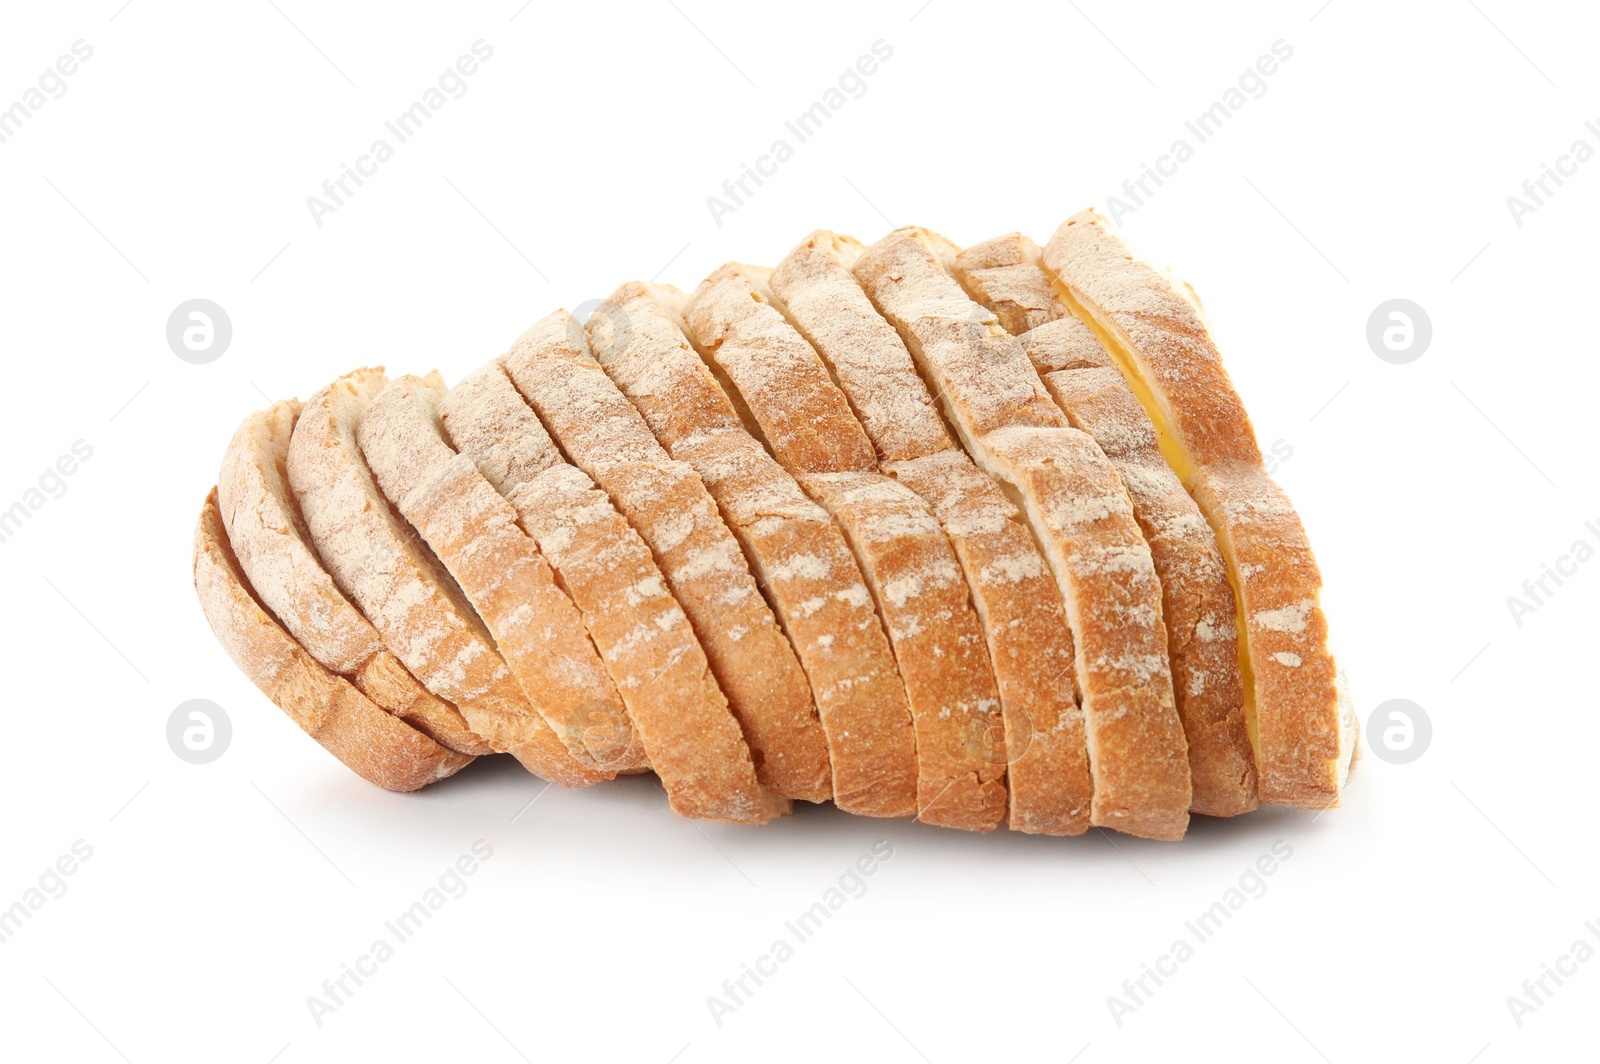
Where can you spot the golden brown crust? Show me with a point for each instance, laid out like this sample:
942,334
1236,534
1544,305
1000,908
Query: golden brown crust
1197,601
668,505
402,589
375,745
785,387
910,568
984,379
971,534
385,680
693,742
821,298
1030,646
474,532
1305,732
1080,516
1002,274
737,322
813,581
770,372
1083,517
273,548
938,644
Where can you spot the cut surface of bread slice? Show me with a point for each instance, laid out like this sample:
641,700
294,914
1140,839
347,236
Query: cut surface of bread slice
692,740
1198,604
1079,513
812,579
401,588
1301,719
273,548
474,532
665,501
1030,645
377,746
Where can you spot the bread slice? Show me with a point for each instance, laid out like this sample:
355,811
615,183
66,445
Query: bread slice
1030,645
665,501
692,740
802,560
1301,718
770,373
938,643
270,541
960,582
380,748
386,571
473,531
1004,274
817,293
1079,513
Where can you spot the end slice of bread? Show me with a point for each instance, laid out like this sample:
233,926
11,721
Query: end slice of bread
1301,719
378,747
273,546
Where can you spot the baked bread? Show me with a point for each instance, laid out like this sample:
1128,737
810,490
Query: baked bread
921,531
273,548
377,746
1030,646
692,740
940,528
665,501
812,580
1302,720
403,590
938,645
474,532
1004,274
1079,512
770,373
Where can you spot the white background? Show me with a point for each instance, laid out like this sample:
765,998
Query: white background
1376,165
